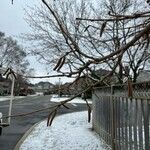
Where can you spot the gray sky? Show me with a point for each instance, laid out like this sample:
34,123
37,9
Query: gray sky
11,16
13,24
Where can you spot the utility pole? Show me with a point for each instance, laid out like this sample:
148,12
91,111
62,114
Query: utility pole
13,77
11,98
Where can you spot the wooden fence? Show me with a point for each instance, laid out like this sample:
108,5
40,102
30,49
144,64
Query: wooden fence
123,122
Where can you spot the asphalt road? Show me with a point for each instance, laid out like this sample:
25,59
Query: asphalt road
20,125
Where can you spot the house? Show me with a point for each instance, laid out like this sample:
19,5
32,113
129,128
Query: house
26,89
43,86
79,85
82,83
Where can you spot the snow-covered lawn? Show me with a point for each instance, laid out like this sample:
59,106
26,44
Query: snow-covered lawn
55,98
68,132
6,98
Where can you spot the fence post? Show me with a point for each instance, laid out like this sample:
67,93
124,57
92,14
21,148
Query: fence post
112,117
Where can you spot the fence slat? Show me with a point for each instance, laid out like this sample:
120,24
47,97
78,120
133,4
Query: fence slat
146,124
122,120
115,122
130,124
140,129
118,124
126,124
135,122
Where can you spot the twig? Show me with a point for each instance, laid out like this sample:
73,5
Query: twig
117,17
30,113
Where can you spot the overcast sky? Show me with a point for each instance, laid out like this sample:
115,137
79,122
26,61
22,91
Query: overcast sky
13,24
11,16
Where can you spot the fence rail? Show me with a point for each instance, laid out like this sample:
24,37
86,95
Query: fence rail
123,122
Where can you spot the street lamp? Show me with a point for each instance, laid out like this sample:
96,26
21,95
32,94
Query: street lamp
11,98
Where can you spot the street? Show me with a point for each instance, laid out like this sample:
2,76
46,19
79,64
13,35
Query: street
19,125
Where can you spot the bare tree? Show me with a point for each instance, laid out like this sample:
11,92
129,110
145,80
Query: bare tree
75,46
65,45
11,54
115,29
57,35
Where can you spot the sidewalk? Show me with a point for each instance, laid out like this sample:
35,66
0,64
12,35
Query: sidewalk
6,98
68,132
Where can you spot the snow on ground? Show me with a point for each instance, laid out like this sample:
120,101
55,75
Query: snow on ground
68,132
55,98
6,98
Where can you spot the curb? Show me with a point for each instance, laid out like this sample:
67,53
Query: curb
21,140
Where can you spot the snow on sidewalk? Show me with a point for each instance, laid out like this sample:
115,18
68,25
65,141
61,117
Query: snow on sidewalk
6,98
55,98
68,132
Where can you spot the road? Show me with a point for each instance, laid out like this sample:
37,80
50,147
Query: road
20,125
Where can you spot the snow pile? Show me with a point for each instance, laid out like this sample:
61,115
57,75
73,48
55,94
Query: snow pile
6,98
55,98
68,132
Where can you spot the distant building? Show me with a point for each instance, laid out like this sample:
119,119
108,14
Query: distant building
83,82
43,86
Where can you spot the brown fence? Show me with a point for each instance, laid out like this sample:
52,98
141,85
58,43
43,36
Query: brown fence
123,122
